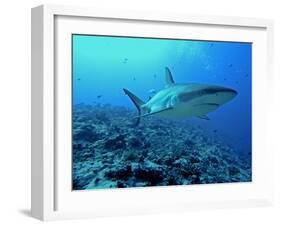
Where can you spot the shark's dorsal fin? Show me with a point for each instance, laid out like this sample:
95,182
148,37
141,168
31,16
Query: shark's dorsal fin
169,78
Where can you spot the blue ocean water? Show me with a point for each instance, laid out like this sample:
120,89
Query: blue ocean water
104,65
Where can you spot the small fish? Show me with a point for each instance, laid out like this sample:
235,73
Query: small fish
230,65
79,79
246,75
152,91
125,60
212,44
134,78
99,96
154,75
215,130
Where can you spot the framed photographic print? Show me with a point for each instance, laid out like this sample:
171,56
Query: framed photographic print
138,112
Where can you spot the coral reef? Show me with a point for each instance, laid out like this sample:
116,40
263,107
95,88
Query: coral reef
109,151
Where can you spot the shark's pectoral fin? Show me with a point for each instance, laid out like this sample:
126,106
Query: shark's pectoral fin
154,112
205,117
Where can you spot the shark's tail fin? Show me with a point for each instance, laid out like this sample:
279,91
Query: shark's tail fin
137,102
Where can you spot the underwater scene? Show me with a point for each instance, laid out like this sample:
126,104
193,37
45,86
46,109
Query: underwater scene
159,112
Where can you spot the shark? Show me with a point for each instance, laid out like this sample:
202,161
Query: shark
178,101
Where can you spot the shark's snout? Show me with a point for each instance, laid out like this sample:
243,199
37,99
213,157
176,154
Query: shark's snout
227,90
224,94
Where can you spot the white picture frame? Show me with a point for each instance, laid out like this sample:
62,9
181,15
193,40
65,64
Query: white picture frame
52,197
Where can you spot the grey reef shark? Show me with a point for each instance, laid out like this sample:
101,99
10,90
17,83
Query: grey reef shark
178,101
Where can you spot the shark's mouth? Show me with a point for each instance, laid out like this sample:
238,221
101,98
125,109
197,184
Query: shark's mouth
203,104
